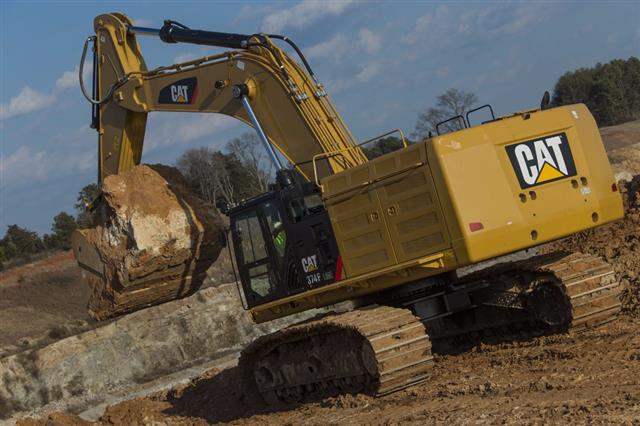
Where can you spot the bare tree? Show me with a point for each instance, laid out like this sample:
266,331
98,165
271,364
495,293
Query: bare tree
250,152
223,181
243,171
449,104
197,166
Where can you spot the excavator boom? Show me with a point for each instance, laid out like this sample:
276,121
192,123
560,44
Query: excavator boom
257,83
293,109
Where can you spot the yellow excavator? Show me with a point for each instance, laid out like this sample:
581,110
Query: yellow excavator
430,241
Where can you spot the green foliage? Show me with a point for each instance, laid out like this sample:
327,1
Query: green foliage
63,225
611,91
382,146
87,195
20,242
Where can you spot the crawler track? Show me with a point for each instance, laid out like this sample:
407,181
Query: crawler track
556,293
377,350
592,288
381,349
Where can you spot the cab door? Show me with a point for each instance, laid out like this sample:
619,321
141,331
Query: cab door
256,260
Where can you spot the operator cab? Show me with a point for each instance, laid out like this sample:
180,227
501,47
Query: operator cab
284,243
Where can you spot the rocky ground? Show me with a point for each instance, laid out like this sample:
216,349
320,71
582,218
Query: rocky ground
592,377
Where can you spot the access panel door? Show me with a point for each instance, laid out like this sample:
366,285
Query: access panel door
410,204
361,234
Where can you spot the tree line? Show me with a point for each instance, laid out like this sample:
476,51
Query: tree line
242,169
611,91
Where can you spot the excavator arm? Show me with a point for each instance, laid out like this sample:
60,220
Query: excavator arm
258,78
254,81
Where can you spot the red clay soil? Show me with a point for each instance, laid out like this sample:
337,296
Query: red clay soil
52,263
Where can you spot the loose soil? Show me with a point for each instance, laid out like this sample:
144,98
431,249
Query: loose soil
593,377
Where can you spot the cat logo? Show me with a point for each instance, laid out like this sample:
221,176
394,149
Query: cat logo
309,264
184,91
542,160
180,94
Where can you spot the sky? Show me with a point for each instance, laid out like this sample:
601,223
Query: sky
382,63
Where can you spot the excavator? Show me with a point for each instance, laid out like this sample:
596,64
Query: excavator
433,242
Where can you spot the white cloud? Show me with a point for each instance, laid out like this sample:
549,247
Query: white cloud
29,100
25,102
368,72
443,71
67,153
27,165
440,28
24,163
184,57
170,128
141,22
86,161
304,13
69,79
203,125
424,22
369,40
334,48
251,11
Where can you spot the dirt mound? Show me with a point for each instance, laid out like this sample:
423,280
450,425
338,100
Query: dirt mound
622,143
153,243
618,243
585,378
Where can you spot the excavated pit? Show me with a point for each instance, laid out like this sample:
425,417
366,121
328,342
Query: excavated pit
153,242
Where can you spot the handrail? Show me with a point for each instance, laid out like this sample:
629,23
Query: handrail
378,179
493,116
356,147
402,138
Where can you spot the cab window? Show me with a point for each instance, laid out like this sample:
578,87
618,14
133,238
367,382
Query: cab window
254,254
276,228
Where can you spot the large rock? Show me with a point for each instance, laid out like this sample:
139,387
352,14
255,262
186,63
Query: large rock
153,242
81,371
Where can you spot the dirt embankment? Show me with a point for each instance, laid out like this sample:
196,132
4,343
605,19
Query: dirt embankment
618,243
42,302
622,143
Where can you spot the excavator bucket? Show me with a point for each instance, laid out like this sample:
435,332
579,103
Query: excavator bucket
153,242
